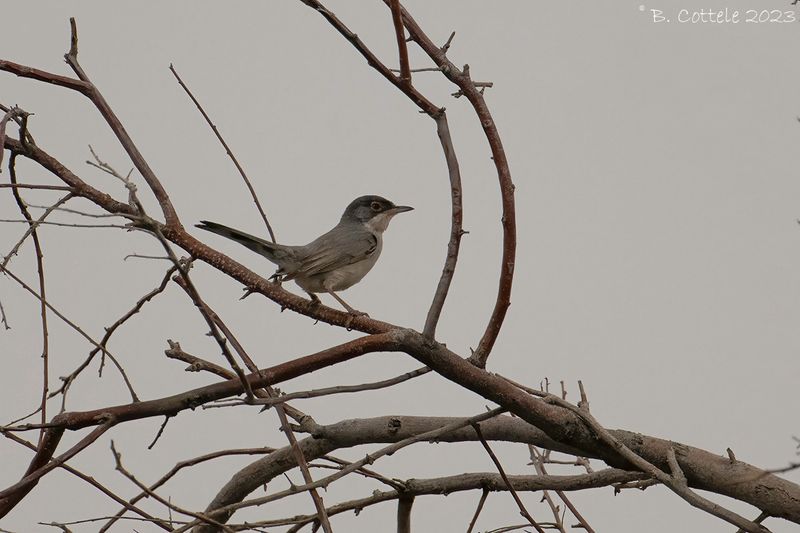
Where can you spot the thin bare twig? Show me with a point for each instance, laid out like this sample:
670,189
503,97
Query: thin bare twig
78,329
42,291
228,150
478,509
199,516
522,510
32,225
538,460
35,186
173,471
109,331
92,481
88,89
339,389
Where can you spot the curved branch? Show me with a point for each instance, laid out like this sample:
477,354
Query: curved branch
475,96
385,429
456,227
703,470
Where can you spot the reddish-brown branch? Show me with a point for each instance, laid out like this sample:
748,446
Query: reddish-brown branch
703,470
41,463
402,48
80,187
48,77
474,95
418,98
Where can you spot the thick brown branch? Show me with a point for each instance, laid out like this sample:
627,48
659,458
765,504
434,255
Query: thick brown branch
703,470
349,433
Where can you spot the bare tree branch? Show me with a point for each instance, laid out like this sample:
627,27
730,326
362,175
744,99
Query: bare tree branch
462,79
228,151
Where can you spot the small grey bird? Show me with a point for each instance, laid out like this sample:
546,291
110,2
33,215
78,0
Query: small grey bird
334,261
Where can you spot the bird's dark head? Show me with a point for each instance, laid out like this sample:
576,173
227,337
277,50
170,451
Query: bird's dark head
375,212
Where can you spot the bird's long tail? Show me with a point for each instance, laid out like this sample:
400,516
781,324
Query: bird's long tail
258,245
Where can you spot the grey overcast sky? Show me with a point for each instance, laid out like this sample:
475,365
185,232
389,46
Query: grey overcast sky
657,197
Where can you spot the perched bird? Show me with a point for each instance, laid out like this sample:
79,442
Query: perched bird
334,261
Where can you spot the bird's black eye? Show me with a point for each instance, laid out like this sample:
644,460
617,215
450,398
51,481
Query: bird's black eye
375,206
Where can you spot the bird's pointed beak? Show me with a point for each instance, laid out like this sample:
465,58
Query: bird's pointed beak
400,209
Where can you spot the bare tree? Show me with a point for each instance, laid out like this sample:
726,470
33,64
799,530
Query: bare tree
533,417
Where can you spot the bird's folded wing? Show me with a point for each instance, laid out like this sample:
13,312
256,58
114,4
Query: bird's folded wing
332,253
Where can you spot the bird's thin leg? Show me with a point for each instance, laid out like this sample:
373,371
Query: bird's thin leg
314,298
344,304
